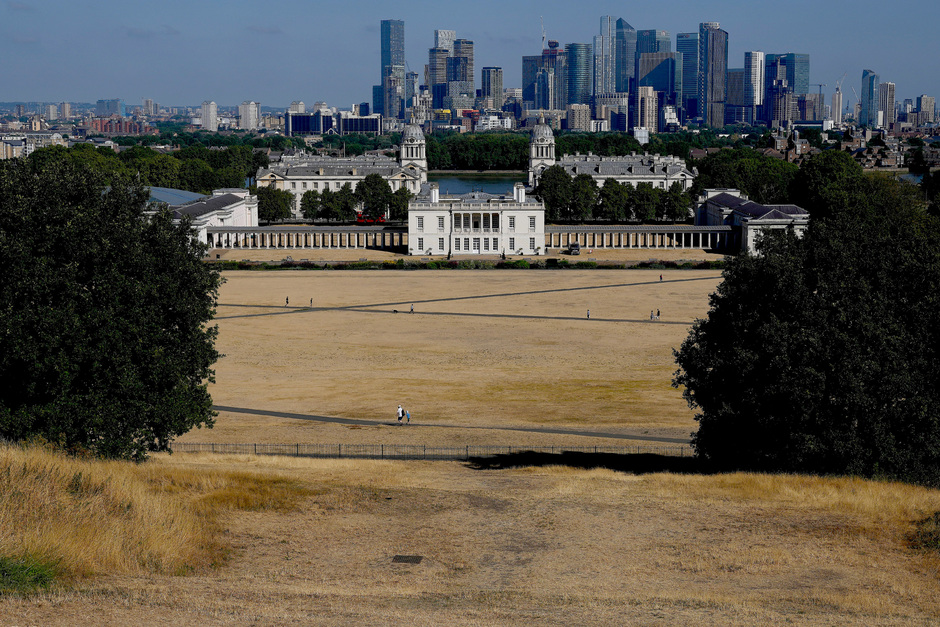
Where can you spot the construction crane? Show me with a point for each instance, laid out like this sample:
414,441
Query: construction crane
839,82
820,85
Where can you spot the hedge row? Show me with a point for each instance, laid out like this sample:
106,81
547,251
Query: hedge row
466,264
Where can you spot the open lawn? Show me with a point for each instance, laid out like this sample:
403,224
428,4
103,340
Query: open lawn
485,351
488,357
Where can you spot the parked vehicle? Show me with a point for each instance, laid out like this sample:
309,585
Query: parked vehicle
574,248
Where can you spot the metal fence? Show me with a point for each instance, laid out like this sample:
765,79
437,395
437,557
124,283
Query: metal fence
409,451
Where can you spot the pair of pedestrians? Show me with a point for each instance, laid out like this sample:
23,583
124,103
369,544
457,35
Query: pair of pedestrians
404,414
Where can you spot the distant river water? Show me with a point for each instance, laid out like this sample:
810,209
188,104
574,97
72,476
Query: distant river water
489,183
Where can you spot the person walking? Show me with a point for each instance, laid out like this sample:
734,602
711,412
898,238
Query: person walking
287,301
651,315
412,307
311,302
407,416
401,414
589,314
660,278
657,314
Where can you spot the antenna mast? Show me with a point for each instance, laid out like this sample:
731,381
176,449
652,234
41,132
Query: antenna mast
543,31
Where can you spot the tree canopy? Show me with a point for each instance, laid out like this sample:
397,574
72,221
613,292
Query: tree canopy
820,354
104,337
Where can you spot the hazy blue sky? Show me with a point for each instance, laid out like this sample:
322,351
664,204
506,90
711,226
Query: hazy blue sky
180,52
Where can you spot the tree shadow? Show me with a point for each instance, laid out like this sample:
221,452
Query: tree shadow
638,464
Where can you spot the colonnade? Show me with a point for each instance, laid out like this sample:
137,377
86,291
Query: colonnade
721,237
301,237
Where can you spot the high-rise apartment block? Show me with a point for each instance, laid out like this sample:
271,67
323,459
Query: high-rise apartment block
249,115
886,104
579,117
491,85
713,71
647,109
868,99
754,89
210,116
926,105
836,107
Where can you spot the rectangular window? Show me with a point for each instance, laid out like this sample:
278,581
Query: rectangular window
420,223
531,243
486,220
495,243
420,244
495,221
466,220
486,243
440,224
531,223
456,243
440,243
512,222
466,243
304,184
336,184
316,186
293,185
512,243
476,244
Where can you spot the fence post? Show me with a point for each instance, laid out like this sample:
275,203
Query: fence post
425,451
256,448
383,451
339,450
468,453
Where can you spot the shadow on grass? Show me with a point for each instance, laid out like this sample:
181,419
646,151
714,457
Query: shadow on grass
638,464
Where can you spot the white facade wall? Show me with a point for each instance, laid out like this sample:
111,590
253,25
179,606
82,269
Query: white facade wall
476,228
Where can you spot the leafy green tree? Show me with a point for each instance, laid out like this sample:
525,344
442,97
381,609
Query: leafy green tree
614,201
329,205
274,204
346,203
375,195
584,194
398,207
104,338
554,189
764,179
310,204
828,183
820,354
674,204
645,202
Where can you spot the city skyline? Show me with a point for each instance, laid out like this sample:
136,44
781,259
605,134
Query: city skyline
185,53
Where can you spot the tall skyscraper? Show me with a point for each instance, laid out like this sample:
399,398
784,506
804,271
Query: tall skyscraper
580,73
790,66
687,44
605,63
713,72
663,72
624,56
393,55
552,58
652,41
837,106
886,104
107,108
445,39
210,116
491,85
647,109
868,99
463,48
754,84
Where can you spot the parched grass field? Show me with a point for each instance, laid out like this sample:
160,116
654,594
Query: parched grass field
484,352
192,539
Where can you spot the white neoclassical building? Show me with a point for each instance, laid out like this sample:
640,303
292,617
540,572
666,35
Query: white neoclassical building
660,171
476,224
301,174
730,207
225,208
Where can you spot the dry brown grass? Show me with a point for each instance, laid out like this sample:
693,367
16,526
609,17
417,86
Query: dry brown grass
515,350
548,545
90,517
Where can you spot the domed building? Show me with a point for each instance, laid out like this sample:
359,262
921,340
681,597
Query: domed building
541,151
299,174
